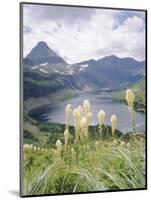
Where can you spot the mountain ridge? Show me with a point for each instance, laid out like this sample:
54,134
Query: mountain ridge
43,45
48,76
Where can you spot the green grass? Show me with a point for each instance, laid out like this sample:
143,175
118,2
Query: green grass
115,164
94,158
46,134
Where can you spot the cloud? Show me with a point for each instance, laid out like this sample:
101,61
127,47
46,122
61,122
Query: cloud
61,14
27,30
79,34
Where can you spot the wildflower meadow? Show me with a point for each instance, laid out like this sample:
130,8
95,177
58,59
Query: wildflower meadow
84,160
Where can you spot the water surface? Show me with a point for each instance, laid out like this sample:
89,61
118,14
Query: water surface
103,101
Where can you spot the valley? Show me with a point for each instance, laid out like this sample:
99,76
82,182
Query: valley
50,82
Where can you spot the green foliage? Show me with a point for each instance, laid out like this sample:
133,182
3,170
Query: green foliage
115,164
30,138
85,158
51,127
50,132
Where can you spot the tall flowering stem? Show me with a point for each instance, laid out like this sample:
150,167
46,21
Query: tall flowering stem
86,106
101,120
88,118
84,126
83,129
77,115
66,137
113,124
83,133
81,112
130,97
59,147
68,111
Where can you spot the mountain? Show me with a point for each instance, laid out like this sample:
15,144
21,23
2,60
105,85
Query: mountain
42,54
45,73
112,72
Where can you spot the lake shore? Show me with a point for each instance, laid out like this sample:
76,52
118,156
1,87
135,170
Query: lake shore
54,112
32,103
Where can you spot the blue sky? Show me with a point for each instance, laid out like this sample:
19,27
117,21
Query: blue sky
79,34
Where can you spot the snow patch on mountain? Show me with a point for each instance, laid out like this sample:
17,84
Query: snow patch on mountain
71,72
42,70
43,64
35,67
84,66
57,71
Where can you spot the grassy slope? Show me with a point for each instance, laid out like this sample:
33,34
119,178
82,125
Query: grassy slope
112,165
41,134
139,91
31,103
116,163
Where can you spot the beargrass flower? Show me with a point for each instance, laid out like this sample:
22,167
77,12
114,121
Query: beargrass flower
25,146
76,113
83,123
29,146
77,117
83,128
130,97
34,148
88,117
122,143
113,123
101,117
59,146
66,136
68,111
80,109
38,149
86,106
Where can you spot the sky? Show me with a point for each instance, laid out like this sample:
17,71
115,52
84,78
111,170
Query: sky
77,34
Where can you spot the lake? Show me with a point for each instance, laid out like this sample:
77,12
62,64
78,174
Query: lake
102,101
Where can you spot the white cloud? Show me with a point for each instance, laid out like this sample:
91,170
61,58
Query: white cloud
84,39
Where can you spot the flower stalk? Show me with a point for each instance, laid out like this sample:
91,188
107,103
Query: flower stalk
113,124
101,120
130,97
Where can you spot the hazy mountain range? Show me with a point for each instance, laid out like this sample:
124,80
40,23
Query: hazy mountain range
46,72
